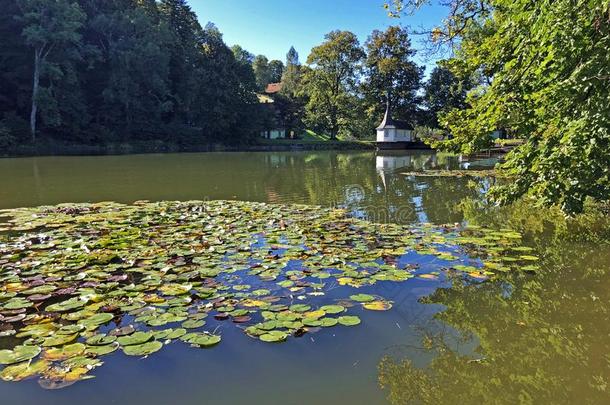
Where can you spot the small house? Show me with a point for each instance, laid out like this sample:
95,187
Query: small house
273,127
391,130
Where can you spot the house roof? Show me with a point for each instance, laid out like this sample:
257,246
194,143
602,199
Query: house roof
389,122
273,88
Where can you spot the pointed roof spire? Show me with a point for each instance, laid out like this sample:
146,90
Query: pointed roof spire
387,119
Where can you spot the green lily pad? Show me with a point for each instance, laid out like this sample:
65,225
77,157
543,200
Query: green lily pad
192,324
59,340
300,308
102,350
143,349
201,339
101,340
19,354
273,337
349,320
333,309
22,371
65,352
136,338
362,297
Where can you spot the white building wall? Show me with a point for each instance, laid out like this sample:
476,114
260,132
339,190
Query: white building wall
394,135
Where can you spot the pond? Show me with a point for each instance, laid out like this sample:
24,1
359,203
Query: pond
525,336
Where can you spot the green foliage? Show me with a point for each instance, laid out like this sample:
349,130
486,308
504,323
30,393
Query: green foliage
391,70
547,70
104,72
331,81
443,92
261,71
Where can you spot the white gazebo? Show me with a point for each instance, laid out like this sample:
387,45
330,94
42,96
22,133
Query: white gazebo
391,130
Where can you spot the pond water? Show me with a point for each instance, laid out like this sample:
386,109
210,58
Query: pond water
519,338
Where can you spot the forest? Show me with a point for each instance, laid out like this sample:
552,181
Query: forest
91,72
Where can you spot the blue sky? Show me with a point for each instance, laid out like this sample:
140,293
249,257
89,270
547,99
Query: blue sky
270,27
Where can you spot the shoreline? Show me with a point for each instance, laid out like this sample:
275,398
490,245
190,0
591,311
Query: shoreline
152,147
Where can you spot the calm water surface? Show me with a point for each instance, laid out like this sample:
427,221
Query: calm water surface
522,339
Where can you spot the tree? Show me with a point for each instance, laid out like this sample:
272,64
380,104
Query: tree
185,55
390,70
443,92
548,82
291,78
276,71
262,71
332,80
136,91
48,26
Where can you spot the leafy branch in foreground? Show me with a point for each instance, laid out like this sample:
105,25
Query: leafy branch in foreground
545,73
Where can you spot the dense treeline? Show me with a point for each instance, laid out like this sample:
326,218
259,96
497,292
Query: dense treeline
119,70
91,72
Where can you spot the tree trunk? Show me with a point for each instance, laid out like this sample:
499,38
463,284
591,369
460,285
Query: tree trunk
34,113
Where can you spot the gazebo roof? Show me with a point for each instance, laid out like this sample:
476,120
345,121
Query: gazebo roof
389,122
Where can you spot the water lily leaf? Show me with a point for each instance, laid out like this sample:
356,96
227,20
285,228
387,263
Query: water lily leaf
17,303
362,297
102,350
333,309
328,322
300,308
59,340
193,324
65,352
349,320
19,354
124,331
97,319
136,338
201,339
273,337
101,340
67,305
377,305
143,349
22,371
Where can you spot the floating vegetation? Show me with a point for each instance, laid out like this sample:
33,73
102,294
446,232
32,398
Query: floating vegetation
79,282
454,173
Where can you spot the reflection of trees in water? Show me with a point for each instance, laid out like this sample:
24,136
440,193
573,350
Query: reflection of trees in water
537,339
369,186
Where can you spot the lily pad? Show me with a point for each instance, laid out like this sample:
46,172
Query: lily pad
201,339
143,349
362,297
377,305
136,338
333,309
273,337
19,354
349,320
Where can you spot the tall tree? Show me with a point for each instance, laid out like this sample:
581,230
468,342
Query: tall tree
185,55
391,70
48,26
136,92
262,71
442,92
332,81
292,73
276,71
